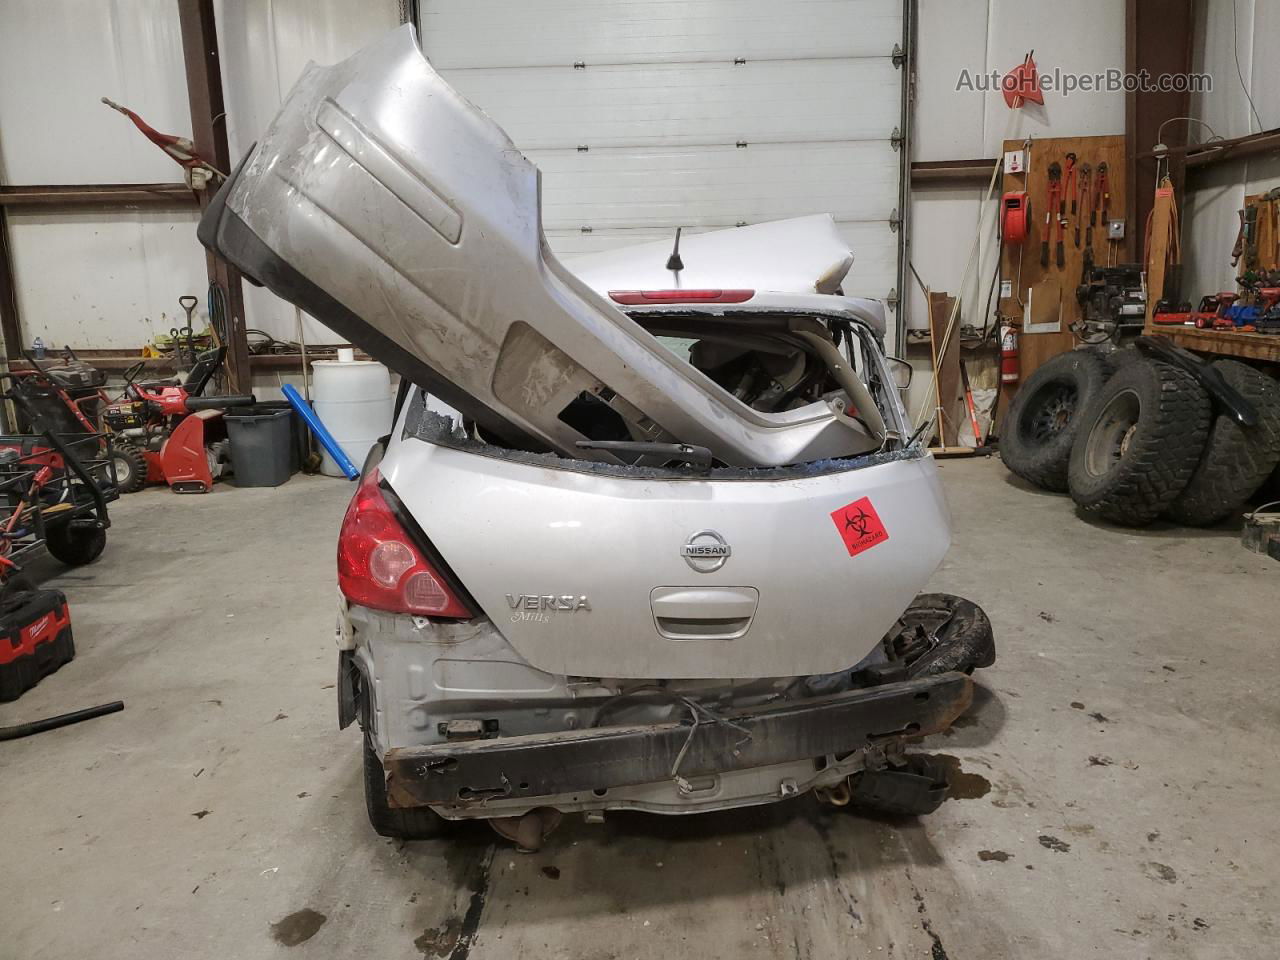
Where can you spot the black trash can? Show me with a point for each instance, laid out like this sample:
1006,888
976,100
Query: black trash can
300,446
261,445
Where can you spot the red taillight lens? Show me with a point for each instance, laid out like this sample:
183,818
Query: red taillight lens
379,566
633,298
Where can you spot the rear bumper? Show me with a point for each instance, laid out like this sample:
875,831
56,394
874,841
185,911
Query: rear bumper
472,773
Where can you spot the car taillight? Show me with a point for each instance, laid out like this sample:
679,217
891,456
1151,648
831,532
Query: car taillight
639,297
379,565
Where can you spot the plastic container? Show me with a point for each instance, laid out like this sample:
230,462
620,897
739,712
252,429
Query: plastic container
261,445
299,436
353,399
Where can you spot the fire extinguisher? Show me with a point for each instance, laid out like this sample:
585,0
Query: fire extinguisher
1009,370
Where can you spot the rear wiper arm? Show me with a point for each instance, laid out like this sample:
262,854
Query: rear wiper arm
686,453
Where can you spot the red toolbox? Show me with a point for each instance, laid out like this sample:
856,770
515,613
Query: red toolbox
35,639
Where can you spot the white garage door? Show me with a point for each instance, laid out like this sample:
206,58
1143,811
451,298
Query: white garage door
645,115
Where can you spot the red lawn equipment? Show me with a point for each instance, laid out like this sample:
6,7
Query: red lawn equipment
54,486
166,432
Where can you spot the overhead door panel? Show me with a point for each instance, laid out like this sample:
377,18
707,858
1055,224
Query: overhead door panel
644,116
461,33
642,105
720,186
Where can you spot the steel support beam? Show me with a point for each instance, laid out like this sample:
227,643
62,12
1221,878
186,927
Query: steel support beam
1158,40
209,134
953,171
125,195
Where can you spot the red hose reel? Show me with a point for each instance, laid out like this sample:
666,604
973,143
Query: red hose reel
1015,217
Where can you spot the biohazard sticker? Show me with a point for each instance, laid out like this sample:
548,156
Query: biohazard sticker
860,526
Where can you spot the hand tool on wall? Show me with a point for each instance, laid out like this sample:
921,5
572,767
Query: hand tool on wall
1069,185
1104,192
1053,200
1082,191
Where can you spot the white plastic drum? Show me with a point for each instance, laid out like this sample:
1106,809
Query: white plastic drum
353,399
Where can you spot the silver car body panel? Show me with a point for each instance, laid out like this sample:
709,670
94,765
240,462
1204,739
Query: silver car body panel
424,674
521,533
399,214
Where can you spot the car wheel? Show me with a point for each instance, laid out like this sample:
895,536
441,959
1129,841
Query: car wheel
1237,459
400,823
1042,420
940,633
131,467
1138,443
75,546
917,787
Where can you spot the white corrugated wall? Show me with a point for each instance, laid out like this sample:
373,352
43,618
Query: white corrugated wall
1210,221
1086,36
112,278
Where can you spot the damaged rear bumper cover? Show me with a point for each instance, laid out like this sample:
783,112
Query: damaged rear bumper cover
473,772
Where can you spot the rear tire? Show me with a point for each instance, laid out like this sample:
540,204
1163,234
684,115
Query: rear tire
1043,417
75,546
916,788
131,467
400,823
1237,460
1138,443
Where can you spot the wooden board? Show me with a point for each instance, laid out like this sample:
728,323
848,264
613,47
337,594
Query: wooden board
950,395
1227,343
1053,288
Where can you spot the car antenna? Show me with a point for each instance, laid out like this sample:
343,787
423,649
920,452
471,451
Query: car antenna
674,262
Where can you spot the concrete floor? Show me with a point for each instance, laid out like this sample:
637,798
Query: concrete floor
1118,787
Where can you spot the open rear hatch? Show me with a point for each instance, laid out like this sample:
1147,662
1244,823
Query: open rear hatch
398,214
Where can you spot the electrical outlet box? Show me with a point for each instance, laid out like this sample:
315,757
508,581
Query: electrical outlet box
1115,230
1006,288
1015,161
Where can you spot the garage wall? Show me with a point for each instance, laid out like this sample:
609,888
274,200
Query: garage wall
107,278
644,116
1210,222
950,124
57,57
112,278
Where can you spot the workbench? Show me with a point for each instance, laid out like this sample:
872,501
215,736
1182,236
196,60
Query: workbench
1227,343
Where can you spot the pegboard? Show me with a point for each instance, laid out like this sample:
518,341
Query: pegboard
1053,288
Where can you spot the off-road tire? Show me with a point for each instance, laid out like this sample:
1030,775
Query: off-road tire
1237,459
412,823
1117,360
1043,418
131,467
1138,443
916,788
939,633
75,546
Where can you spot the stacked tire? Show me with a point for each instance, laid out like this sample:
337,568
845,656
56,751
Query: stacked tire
1133,439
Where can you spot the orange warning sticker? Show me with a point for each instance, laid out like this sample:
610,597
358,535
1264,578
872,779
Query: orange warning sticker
860,526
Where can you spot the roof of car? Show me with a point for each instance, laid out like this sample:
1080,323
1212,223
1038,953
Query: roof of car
801,255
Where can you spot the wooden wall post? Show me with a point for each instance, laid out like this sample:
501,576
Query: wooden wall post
209,134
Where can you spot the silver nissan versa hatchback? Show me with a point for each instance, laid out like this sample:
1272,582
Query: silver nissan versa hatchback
649,529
